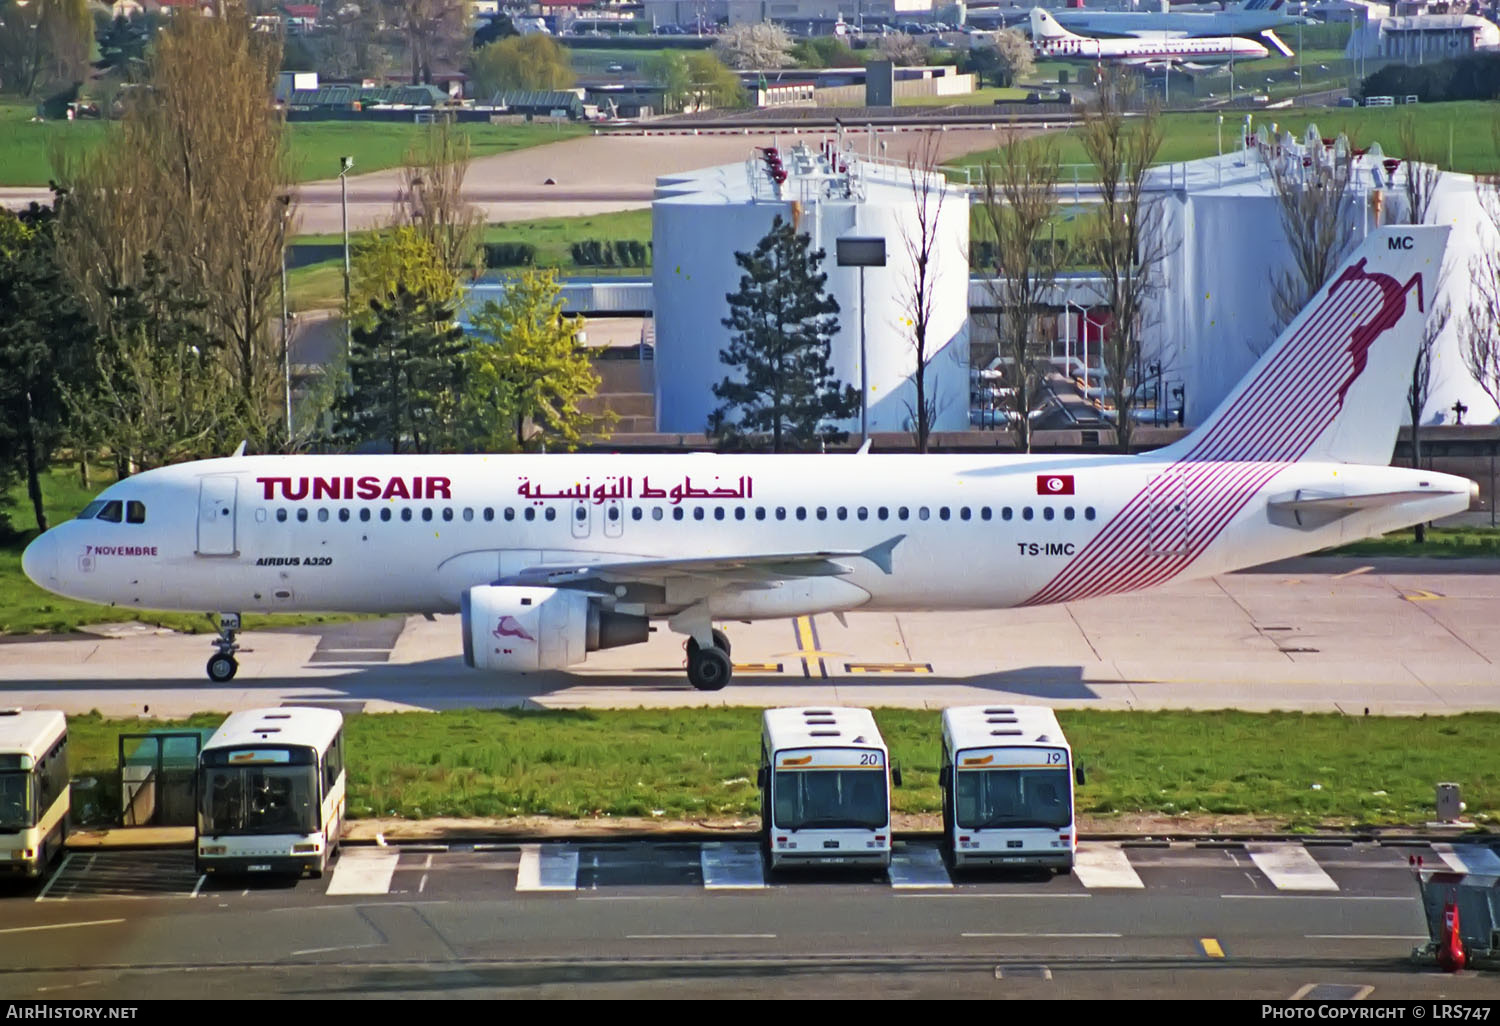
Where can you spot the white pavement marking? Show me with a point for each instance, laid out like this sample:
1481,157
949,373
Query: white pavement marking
732,866
199,885
342,947
918,867
551,867
1290,867
1308,897
1366,936
56,876
1103,864
1469,858
364,872
968,896
60,926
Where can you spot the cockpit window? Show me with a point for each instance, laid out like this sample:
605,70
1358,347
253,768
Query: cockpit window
112,511
91,510
135,512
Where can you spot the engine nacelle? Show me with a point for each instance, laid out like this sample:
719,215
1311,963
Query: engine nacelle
512,628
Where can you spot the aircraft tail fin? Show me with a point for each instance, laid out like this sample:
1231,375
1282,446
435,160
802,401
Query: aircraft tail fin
1044,26
1333,386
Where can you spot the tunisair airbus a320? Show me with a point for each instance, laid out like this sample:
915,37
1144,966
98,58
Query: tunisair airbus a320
550,557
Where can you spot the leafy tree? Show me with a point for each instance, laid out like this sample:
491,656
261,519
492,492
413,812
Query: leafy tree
825,52
397,257
44,42
499,27
758,45
783,323
521,62
123,43
711,83
668,71
405,373
44,334
526,374
160,391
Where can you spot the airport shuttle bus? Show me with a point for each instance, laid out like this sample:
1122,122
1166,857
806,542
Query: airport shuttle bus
1007,777
825,788
33,789
271,792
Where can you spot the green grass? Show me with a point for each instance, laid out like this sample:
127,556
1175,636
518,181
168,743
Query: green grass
315,146
1194,135
27,609
1441,541
321,285
978,98
693,763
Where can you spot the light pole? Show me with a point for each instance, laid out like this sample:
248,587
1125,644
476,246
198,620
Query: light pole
862,251
345,163
286,348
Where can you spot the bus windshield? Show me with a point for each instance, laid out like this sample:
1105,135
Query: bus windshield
829,799
1013,798
15,801
260,800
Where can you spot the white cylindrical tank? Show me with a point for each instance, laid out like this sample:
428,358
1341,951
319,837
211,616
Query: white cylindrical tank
700,220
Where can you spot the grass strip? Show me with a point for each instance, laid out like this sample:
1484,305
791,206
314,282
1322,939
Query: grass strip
1304,771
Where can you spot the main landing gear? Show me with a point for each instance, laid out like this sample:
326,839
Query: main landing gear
222,665
709,669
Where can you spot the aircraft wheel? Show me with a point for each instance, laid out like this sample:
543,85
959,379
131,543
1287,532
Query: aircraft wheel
222,668
709,669
721,640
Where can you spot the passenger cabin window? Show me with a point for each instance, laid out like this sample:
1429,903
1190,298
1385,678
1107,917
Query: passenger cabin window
385,513
135,512
302,516
112,511
1088,512
281,516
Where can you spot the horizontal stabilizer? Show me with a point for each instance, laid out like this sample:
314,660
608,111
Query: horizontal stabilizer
1312,503
1275,43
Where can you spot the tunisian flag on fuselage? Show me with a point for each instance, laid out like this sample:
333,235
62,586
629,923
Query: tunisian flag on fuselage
1054,484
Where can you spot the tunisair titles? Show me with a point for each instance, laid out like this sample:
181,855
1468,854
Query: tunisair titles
624,488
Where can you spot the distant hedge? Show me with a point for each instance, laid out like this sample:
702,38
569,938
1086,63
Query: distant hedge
509,254
611,253
1474,76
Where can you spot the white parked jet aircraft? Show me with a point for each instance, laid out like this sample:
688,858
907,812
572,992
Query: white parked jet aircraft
1252,17
1050,40
550,557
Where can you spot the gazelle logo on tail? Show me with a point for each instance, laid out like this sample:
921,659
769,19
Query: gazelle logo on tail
1044,26
1329,389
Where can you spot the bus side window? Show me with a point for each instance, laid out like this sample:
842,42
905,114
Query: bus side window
333,763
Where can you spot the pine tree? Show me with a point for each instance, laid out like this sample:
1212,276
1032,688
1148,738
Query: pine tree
783,322
405,372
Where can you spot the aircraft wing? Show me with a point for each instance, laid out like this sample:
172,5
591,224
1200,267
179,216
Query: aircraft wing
763,568
1274,41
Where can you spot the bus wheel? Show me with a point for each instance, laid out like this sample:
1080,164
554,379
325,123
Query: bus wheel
222,668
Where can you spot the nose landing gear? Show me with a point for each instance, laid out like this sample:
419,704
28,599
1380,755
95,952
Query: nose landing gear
222,665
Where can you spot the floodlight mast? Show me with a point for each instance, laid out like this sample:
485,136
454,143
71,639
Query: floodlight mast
345,163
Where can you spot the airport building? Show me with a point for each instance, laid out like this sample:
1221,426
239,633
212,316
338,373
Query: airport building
700,219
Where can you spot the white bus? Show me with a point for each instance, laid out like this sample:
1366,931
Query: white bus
271,792
1007,777
825,781
33,790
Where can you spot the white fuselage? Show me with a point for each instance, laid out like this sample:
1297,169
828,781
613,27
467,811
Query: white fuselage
978,530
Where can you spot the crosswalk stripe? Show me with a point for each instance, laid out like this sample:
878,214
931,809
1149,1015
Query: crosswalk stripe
1290,867
552,867
729,865
1102,864
913,867
363,872
1469,858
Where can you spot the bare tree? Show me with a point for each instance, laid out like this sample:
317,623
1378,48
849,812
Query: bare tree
1124,235
1020,205
1419,183
204,185
920,240
1479,332
431,198
1313,198
437,34
900,48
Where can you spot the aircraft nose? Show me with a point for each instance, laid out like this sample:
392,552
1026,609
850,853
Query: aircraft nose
39,561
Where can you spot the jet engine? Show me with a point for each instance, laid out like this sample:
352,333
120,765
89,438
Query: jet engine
512,628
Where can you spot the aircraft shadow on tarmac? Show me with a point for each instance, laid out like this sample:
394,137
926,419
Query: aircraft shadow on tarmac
447,683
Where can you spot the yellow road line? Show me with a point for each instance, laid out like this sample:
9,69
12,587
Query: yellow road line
1211,947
